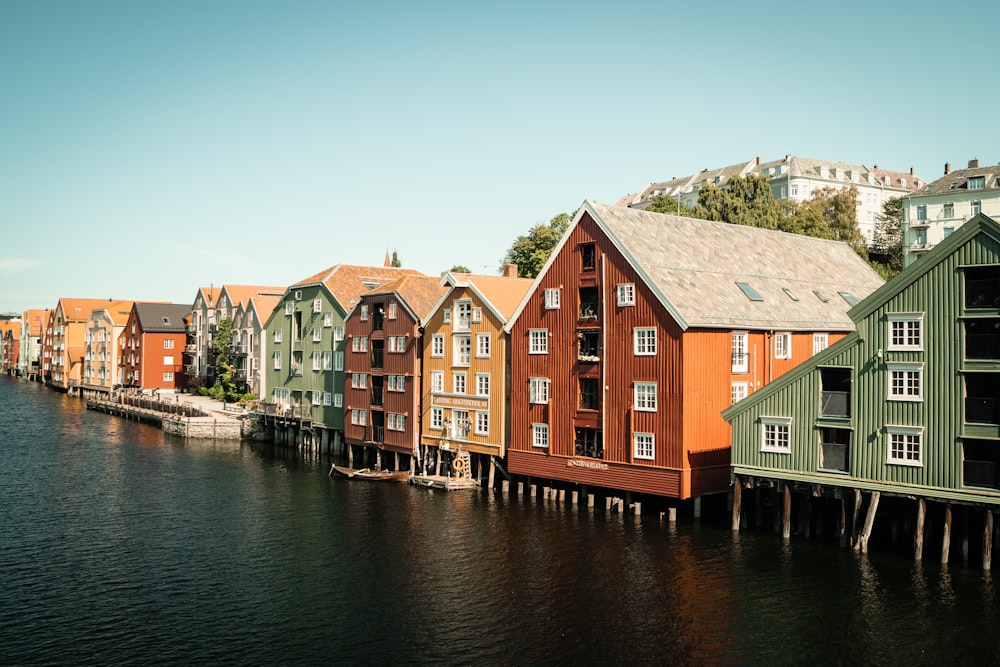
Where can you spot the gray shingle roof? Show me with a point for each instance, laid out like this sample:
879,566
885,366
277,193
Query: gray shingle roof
696,267
162,317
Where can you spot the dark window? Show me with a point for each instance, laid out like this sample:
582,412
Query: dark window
378,353
834,449
587,257
982,287
835,397
378,317
588,303
589,344
982,339
981,463
377,390
588,443
589,394
982,398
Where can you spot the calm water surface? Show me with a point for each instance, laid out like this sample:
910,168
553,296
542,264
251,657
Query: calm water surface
122,546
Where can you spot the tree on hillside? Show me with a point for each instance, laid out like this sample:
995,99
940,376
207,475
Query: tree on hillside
839,210
395,260
664,204
530,251
744,201
458,268
887,246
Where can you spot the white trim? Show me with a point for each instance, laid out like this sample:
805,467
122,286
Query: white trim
906,432
786,424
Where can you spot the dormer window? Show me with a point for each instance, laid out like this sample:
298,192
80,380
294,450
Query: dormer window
977,182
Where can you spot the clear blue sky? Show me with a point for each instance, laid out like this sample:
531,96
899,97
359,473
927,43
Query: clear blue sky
148,148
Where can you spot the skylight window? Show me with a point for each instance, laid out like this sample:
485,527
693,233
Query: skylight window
849,298
166,320
750,292
821,297
791,294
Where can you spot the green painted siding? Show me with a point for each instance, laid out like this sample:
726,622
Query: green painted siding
933,289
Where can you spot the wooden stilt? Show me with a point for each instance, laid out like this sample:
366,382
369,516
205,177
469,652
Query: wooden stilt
493,472
786,514
697,507
737,502
842,526
965,534
869,521
672,514
918,537
987,539
855,526
946,536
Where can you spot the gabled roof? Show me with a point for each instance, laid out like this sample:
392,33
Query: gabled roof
208,295
500,294
36,320
696,268
79,310
957,181
263,305
347,282
118,311
162,317
419,294
241,294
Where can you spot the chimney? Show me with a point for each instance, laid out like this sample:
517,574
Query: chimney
758,160
947,168
911,171
510,270
974,163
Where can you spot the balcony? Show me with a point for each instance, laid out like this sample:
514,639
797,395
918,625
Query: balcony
920,246
981,473
920,224
377,358
378,395
378,435
982,410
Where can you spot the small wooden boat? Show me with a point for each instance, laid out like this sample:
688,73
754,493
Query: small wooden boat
369,474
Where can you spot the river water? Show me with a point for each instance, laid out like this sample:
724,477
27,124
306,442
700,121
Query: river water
120,545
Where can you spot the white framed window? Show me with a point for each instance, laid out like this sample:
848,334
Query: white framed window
298,295
364,311
327,319
168,376
775,434
317,334
327,360
289,307
317,397
397,344
277,335
739,391
477,315
821,341
437,382
483,346
906,331
460,427
338,334
338,400
540,436
538,341
327,398
317,360
359,344
482,423
338,361
392,310
644,341
905,381
482,384
317,305
168,343
783,345
645,396
437,419
458,383
446,316
437,345
359,380
904,445
396,422
168,360
277,360
553,298
359,417
463,315
538,390
626,294
462,352
643,446
741,361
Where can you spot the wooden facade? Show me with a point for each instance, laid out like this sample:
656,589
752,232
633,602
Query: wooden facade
907,406
383,370
465,361
67,347
152,346
623,354
102,368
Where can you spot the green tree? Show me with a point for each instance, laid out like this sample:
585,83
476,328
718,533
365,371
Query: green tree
458,268
395,260
839,209
744,201
226,387
887,246
665,204
530,251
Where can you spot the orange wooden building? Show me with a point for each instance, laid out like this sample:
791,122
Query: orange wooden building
152,346
382,363
642,327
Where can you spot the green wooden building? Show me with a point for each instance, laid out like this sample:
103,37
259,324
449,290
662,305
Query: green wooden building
303,366
907,407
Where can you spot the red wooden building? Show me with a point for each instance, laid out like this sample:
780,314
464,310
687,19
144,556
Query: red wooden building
152,346
382,363
641,328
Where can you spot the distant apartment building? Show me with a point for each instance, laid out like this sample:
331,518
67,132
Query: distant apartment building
794,178
932,213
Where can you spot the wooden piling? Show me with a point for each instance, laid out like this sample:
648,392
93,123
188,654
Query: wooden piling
869,521
918,536
855,531
737,502
987,538
946,537
786,514
842,524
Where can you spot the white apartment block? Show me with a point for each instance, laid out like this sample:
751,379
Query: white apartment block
932,213
795,178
